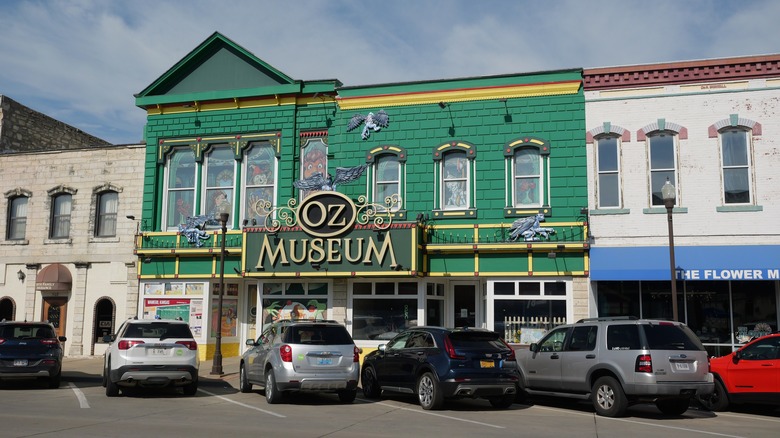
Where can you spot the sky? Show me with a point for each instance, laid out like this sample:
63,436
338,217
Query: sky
82,61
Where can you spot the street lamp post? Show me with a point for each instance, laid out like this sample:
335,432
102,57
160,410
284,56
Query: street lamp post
216,367
669,196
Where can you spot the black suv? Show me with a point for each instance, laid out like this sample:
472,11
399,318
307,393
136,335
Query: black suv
436,363
616,362
31,349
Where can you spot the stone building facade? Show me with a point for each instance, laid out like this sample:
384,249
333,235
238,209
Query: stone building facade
23,129
66,254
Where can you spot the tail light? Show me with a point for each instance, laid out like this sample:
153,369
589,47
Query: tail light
451,349
2,340
511,356
126,345
50,341
191,345
285,352
644,364
356,355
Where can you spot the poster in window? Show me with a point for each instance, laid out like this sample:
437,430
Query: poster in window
193,289
154,288
229,315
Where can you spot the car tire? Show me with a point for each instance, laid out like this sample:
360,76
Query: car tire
608,397
429,393
191,388
54,381
673,406
347,395
112,389
105,377
502,402
272,393
243,380
370,383
717,401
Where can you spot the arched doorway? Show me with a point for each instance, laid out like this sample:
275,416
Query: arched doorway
104,321
54,282
7,309
55,311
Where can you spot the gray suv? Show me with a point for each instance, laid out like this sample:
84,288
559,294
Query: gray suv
616,362
302,355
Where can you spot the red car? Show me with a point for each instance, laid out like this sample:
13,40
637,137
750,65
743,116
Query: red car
748,375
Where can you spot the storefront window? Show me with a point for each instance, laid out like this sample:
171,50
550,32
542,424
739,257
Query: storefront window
707,310
618,298
382,313
434,304
296,300
755,309
525,321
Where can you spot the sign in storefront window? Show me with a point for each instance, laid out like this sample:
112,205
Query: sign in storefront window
229,316
189,310
294,300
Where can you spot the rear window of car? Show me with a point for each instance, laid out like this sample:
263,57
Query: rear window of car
476,339
158,330
26,331
623,337
671,337
317,334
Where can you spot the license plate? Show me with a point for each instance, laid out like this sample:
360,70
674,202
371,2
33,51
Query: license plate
682,366
487,364
324,361
20,362
158,351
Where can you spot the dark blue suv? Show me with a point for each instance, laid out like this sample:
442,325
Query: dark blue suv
436,363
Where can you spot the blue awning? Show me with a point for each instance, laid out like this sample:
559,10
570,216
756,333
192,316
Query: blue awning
739,262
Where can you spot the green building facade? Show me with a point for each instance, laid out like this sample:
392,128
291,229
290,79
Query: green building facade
432,181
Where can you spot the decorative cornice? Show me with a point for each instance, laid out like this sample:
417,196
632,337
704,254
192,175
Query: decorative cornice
712,70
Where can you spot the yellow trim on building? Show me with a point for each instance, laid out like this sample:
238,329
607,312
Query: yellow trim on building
449,96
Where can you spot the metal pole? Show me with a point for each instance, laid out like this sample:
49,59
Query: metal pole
669,207
216,367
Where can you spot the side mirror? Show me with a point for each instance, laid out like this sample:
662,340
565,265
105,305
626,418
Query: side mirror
534,347
108,339
382,348
250,342
736,357
62,338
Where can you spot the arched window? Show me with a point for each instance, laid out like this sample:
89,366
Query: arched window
662,150
260,181
180,187
387,169
527,179
455,170
7,309
737,165
104,319
220,176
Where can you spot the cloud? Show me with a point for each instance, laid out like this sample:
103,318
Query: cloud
81,61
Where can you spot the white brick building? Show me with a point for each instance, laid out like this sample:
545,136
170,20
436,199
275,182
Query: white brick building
711,127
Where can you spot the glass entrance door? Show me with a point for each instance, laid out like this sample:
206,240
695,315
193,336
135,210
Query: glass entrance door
55,311
464,298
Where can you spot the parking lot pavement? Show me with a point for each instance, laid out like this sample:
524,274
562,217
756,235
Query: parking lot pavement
93,365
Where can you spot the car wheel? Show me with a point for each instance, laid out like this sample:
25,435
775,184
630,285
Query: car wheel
105,377
717,401
112,389
429,393
243,380
609,400
347,395
502,402
370,383
673,406
191,389
54,381
272,393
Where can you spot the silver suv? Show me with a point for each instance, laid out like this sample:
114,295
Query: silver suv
616,362
151,353
301,356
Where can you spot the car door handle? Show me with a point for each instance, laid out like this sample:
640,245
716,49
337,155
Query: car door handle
590,356
554,356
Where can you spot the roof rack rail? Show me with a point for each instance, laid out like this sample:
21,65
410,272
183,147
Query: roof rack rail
609,318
